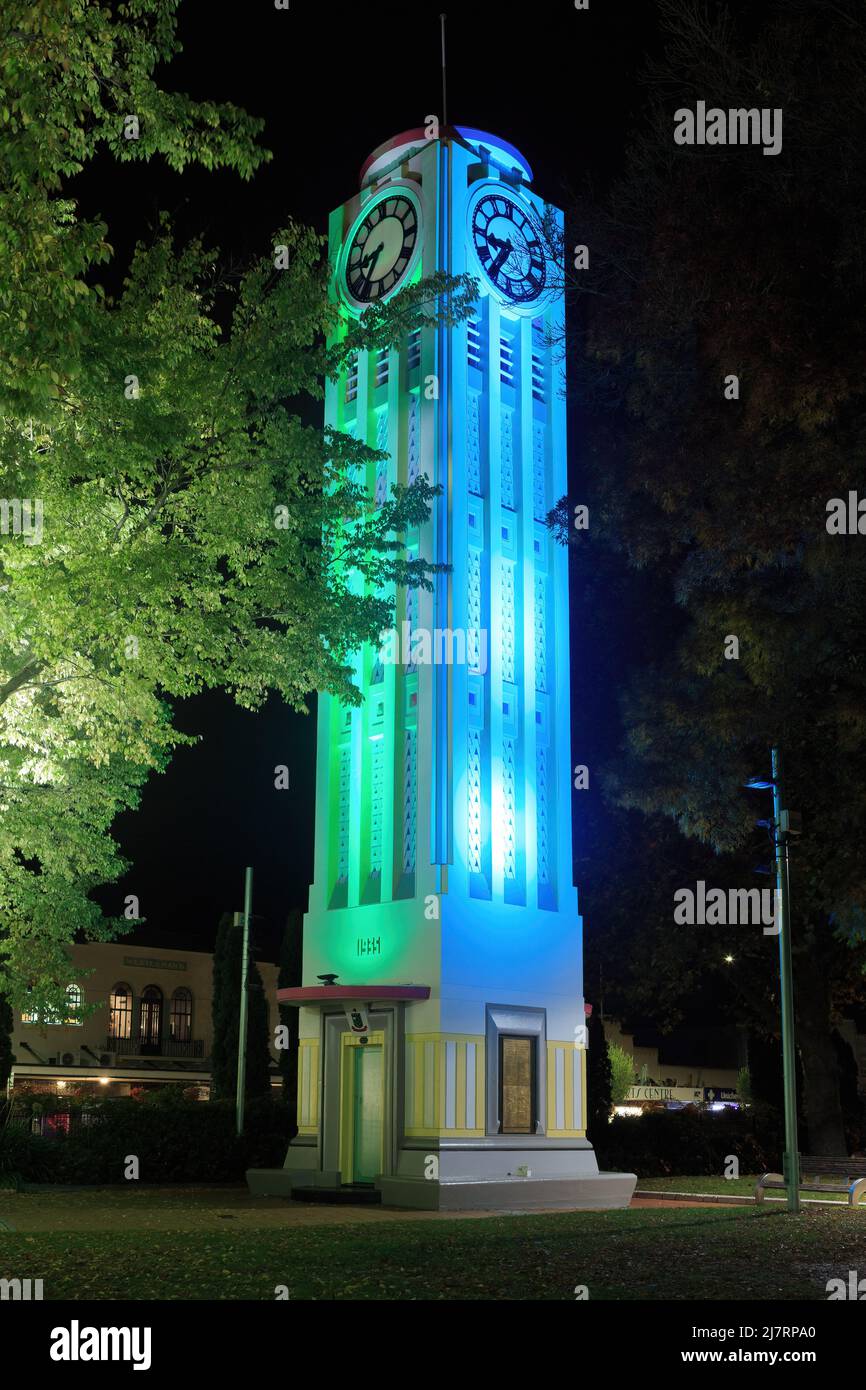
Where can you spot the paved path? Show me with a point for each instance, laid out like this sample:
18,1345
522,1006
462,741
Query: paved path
679,1202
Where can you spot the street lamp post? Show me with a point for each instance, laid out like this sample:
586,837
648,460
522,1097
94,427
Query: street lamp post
781,831
242,1024
791,1159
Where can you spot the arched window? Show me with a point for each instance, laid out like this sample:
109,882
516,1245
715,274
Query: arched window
150,1026
120,1012
73,1004
181,1016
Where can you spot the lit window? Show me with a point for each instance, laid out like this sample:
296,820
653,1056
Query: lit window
352,380
473,344
150,1024
73,1004
506,363
181,1015
120,1012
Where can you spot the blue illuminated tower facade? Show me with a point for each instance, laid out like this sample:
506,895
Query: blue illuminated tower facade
446,1063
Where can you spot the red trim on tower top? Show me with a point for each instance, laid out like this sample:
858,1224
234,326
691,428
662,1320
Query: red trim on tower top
463,134
407,137
324,994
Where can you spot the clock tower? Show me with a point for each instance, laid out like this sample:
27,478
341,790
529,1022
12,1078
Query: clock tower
442,1057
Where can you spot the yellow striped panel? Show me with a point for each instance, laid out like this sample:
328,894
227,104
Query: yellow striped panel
308,1086
560,1091
415,1058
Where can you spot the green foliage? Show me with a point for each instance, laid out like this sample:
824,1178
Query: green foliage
7,1057
598,1079
196,532
744,1086
621,1073
70,75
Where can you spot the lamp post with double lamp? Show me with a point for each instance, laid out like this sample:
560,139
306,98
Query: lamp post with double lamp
781,826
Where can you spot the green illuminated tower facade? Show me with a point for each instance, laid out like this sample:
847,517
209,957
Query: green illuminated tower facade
442,1052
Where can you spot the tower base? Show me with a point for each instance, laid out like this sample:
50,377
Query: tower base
476,1175
470,1176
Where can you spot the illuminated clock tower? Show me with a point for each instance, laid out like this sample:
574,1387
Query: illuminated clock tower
442,1042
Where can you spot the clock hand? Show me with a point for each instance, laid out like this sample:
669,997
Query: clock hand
372,256
504,253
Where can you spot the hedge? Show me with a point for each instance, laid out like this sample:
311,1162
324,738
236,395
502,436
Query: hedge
175,1141
692,1142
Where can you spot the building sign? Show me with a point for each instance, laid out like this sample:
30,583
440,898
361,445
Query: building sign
686,1095
712,1093
151,964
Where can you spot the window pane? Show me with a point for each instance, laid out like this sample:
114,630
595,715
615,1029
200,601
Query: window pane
181,1015
73,999
150,1025
517,1085
120,1012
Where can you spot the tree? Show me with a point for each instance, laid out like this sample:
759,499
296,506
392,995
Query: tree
7,1057
621,1066
598,1080
77,79
226,1018
178,526
290,974
720,355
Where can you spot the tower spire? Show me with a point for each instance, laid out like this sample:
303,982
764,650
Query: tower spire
442,19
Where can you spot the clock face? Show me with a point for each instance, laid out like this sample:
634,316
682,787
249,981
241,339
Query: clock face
508,248
381,249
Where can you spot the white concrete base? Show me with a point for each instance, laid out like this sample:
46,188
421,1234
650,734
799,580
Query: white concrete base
588,1192
483,1174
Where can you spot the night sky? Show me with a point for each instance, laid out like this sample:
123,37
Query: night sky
333,82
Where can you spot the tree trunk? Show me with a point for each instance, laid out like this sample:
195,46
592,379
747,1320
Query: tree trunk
822,1103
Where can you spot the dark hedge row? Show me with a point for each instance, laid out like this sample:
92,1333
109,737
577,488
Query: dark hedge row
182,1142
190,1141
690,1142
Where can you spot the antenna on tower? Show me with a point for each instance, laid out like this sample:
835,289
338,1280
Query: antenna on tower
442,19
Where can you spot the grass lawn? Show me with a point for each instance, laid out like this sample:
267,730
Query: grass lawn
223,1244
731,1187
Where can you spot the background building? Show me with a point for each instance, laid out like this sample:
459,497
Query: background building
153,1026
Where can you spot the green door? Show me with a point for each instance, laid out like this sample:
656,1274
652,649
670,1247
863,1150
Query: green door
367,1117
